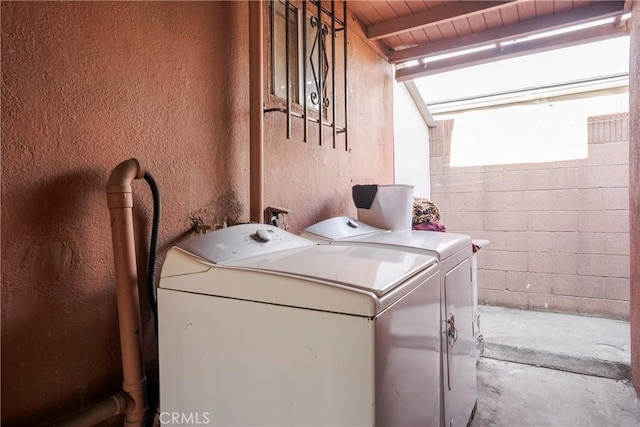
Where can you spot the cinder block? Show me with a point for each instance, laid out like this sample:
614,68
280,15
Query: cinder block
529,241
461,222
551,200
598,199
491,279
616,244
608,128
506,221
528,166
603,265
552,221
591,243
552,263
615,153
603,221
553,303
603,176
502,298
459,202
617,288
499,201
503,260
506,181
618,310
439,165
521,281
563,304
581,286
603,308
551,179
457,183
567,242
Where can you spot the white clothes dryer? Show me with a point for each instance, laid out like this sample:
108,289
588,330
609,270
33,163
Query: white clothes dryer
454,255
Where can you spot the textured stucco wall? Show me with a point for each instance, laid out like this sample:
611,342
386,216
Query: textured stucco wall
314,181
86,85
634,192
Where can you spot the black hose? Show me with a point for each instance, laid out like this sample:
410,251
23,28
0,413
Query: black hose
153,249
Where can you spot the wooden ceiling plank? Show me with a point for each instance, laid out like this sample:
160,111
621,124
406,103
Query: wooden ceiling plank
477,23
407,39
493,20
462,26
526,9
429,17
361,10
420,37
447,30
433,33
385,10
586,35
544,7
400,8
509,32
509,14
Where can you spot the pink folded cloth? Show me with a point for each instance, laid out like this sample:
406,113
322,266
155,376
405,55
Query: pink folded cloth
429,226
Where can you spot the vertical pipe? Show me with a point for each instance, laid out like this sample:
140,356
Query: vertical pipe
346,109
120,201
305,134
320,72
287,47
333,70
256,94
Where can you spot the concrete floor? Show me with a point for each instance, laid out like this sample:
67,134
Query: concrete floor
547,369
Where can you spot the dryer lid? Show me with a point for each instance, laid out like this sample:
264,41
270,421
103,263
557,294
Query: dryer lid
374,269
340,227
441,245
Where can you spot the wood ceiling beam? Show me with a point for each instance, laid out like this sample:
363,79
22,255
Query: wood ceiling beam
430,17
586,35
598,10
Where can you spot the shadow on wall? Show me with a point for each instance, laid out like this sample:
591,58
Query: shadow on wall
56,298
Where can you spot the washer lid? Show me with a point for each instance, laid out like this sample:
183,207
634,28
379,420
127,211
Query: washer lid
441,245
374,269
242,241
339,227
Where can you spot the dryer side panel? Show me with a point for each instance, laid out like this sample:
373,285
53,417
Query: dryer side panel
458,343
408,358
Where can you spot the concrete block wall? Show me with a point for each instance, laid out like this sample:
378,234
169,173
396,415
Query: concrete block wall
559,231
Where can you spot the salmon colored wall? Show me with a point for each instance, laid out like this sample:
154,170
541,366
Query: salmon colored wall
320,176
88,85
634,192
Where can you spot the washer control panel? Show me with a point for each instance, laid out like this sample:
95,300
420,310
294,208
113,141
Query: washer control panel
242,241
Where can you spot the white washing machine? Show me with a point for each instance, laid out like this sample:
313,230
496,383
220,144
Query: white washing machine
260,327
454,254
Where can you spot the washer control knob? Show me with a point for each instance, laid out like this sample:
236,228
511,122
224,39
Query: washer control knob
263,235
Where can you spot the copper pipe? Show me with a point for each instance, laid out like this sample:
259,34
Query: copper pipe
256,100
120,201
94,414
